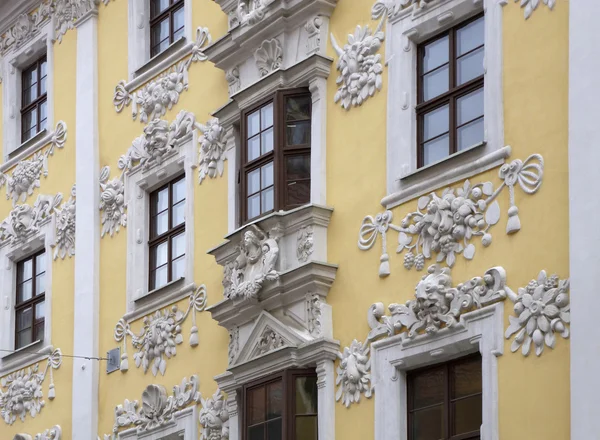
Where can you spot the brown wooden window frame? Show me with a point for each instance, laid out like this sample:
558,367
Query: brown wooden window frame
288,412
31,302
37,103
169,12
449,97
448,398
281,151
167,236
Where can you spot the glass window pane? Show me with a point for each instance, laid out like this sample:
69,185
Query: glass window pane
435,54
467,414
470,66
178,191
178,245
298,133
40,263
26,268
267,197
178,22
267,175
267,141
436,122
466,378
435,83
162,222
266,116
43,115
253,121
24,318
25,291
160,36
160,277
178,268
24,338
256,432
178,214
254,206
253,148
162,200
274,400
253,181
256,405
43,86
470,36
427,423
427,388
29,78
436,150
40,284
160,254
297,167
275,430
297,108
306,395
470,134
38,331
470,106
306,428
44,68
158,6
298,193
40,311
29,124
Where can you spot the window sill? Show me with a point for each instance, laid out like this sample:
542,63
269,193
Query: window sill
38,141
24,356
158,298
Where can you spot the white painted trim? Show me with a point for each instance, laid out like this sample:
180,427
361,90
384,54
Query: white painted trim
584,260
405,31
318,137
182,427
87,235
481,329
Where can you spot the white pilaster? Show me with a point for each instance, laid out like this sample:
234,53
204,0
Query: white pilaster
584,239
87,235
318,136
326,396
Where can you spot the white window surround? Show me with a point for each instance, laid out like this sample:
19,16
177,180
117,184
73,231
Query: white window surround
391,357
13,64
10,255
139,38
138,186
183,427
406,30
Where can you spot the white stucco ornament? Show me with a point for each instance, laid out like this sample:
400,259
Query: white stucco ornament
251,12
531,5
214,417
255,264
65,228
304,244
21,392
446,224
24,220
542,309
112,202
212,150
354,373
54,433
269,56
359,66
161,333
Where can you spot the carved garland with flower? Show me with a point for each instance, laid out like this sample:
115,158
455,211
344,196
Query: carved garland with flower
157,340
65,228
21,392
54,433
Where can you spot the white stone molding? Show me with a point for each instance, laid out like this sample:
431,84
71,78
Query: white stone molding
27,173
313,42
359,66
269,56
65,228
530,5
161,333
233,80
304,244
407,27
24,221
67,12
212,150
54,433
161,93
21,392
214,417
542,309
314,313
353,373
234,344
112,202
251,12
25,27
445,224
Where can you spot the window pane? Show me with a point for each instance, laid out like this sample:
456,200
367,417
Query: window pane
43,86
436,150
26,268
466,378
435,83
256,405
162,198
306,396
427,388
38,331
275,430
267,141
40,284
178,268
162,222
160,277
40,263
470,66
297,108
253,181
24,338
44,68
24,318
266,113
470,36
29,78
253,148
469,107
178,245
266,198
306,428
158,6
178,214
427,423
298,193
435,54
43,115
436,122
256,433
467,414
29,123
274,400
253,121
470,134
298,167
178,191
160,36
25,292
298,133
254,206
160,254
178,23
40,311
267,175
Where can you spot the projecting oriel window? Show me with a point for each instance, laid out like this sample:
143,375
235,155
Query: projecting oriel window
30,301
34,99
167,233
167,23
444,401
450,92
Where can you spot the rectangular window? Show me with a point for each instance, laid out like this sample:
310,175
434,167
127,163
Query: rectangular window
34,99
284,406
167,233
444,401
167,24
276,155
450,92
29,304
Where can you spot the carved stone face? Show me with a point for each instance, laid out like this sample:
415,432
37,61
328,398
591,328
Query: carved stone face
251,246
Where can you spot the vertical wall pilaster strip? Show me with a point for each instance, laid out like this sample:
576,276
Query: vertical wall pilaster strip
87,235
326,396
584,208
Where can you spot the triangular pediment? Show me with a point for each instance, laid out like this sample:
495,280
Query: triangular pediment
268,335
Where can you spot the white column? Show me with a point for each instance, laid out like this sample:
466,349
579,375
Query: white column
318,136
584,209
87,235
326,396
